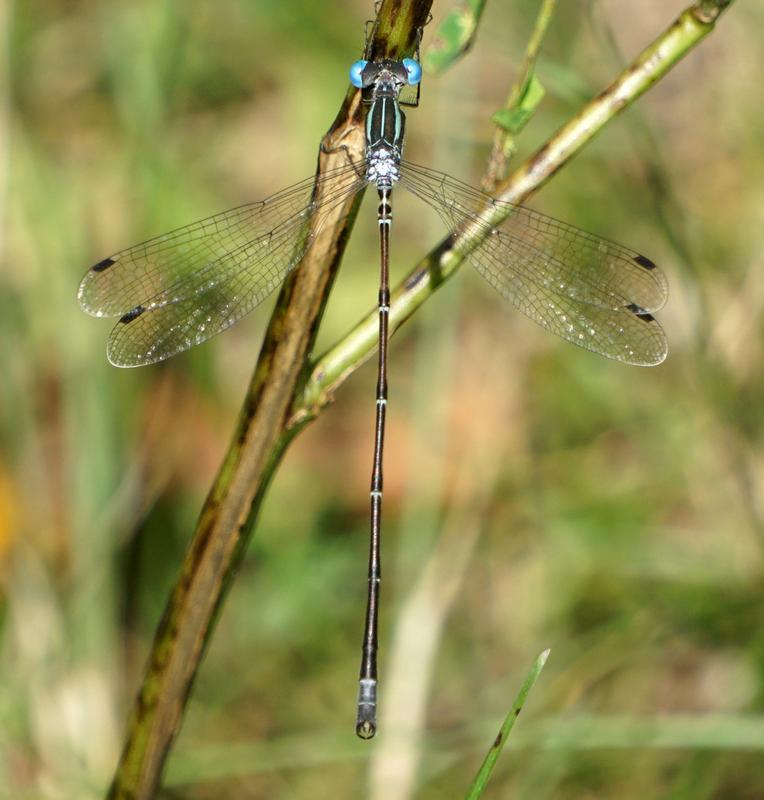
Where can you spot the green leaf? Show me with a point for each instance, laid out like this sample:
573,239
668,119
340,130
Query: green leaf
486,768
515,118
454,36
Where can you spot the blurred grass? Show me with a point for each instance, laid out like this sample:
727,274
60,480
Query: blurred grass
621,519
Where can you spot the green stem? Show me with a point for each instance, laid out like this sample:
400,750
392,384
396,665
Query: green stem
502,149
340,360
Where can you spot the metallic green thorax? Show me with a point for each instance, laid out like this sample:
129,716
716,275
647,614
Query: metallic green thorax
385,124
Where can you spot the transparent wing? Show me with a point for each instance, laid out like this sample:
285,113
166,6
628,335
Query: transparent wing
180,289
592,292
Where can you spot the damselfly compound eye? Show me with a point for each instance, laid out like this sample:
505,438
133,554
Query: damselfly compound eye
413,70
356,73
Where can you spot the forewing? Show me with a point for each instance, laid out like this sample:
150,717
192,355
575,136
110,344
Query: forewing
221,291
118,284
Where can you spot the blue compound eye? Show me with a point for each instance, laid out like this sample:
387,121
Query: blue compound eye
414,71
356,71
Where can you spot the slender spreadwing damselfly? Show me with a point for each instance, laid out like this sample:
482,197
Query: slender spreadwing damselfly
184,287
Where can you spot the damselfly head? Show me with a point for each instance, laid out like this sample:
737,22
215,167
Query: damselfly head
366,74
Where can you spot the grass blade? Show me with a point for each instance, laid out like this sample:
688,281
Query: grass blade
486,768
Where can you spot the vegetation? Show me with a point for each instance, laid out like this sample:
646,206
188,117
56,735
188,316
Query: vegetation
536,496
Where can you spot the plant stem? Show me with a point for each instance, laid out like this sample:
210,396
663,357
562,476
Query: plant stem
503,141
287,391
339,361
259,441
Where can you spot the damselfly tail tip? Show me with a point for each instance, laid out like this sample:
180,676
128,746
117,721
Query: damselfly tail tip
365,729
366,719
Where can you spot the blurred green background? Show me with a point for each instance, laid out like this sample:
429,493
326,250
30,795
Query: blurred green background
536,495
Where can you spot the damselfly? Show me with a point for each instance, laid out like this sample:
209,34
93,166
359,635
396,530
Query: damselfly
180,289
